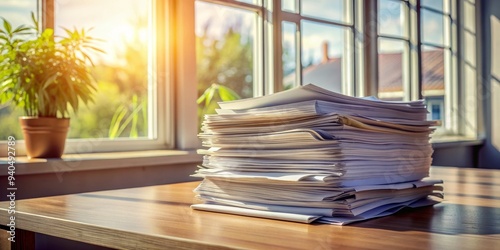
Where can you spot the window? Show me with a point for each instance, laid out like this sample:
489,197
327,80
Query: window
435,108
123,72
225,47
228,51
163,55
436,111
317,44
125,113
416,56
393,50
438,73
234,46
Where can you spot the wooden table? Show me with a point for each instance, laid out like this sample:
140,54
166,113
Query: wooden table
159,217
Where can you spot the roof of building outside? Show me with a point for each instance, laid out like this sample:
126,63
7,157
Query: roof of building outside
328,74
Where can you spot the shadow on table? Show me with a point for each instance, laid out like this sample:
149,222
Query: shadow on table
132,199
443,218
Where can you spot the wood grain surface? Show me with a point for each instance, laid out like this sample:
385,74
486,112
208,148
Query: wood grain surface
159,217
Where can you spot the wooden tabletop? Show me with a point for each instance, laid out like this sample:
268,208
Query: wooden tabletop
159,217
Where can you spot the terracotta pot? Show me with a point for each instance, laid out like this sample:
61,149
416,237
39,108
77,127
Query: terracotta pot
44,136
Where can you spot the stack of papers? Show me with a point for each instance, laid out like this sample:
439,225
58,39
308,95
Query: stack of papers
309,154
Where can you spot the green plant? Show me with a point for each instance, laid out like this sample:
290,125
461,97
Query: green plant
226,60
207,102
121,121
46,75
216,92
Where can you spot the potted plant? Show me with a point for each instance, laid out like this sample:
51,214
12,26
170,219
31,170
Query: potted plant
47,76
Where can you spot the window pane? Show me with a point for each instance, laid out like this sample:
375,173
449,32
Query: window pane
224,52
433,80
120,107
468,18
17,13
289,56
289,5
436,112
432,28
391,18
439,5
334,10
391,74
322,53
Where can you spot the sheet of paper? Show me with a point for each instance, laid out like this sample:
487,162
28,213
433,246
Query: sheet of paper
301,218
312,92
305,218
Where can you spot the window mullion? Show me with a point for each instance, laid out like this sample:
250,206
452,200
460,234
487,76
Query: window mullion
359,24
293,17
274,48
454,86
239,5
298,52
185,91
48,10
162,111
415,50
270,45
434,45
370,48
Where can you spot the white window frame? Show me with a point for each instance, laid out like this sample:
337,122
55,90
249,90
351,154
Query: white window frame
176,92
450,50
461,106
350,49
160,98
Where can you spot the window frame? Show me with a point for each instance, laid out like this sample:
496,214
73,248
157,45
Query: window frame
451,55
453,50
351,48
176,112
410,85
161,131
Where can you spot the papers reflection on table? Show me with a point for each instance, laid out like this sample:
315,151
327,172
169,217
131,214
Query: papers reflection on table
312,155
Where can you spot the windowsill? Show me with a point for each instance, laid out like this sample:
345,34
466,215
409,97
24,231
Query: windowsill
102,161
455,141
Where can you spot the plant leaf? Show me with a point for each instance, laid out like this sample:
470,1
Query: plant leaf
7,26
116,120
211,93
227,94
